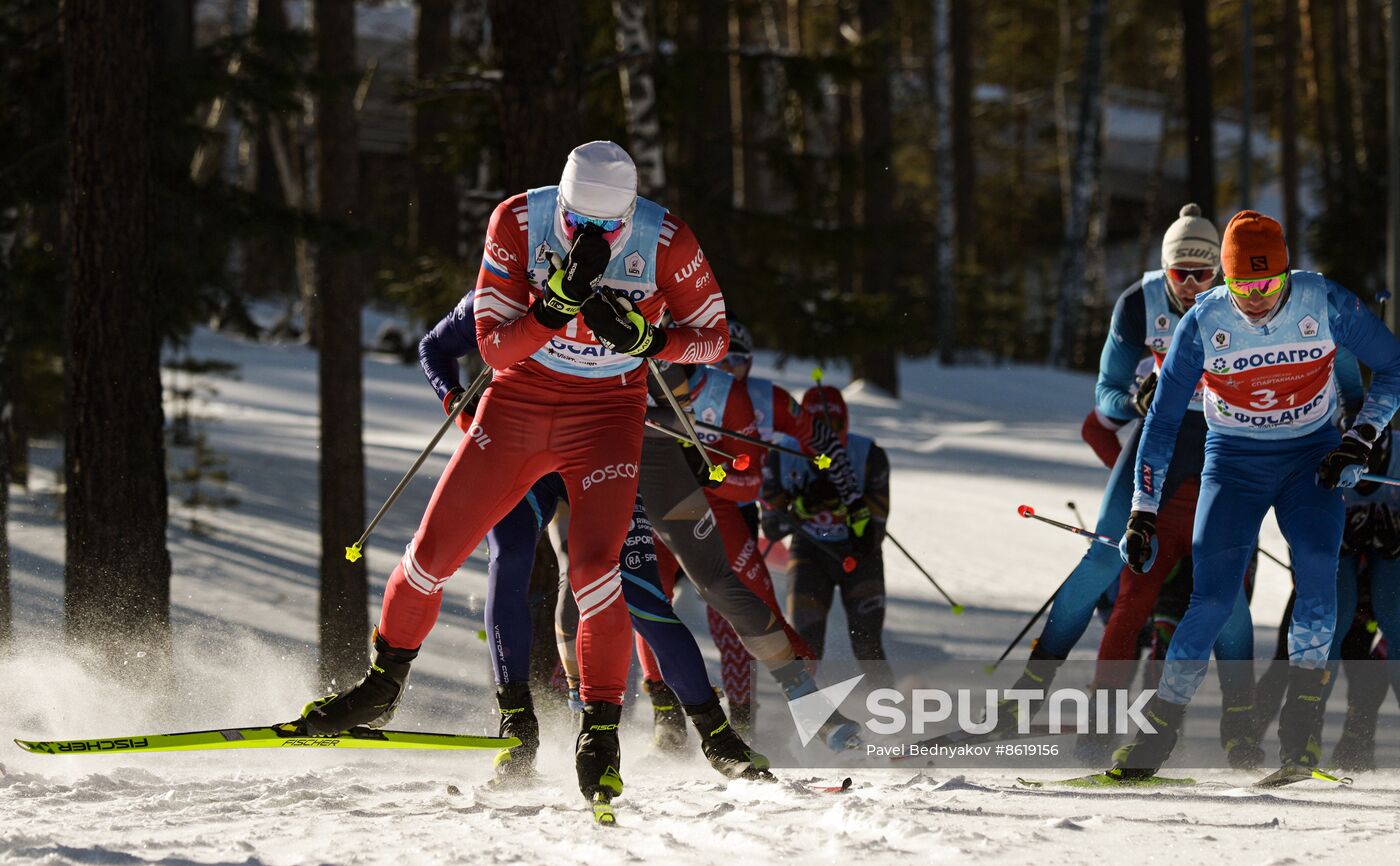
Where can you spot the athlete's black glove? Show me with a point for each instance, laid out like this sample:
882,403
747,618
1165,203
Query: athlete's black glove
818,496
1138,547
776,524
1385,537
619,325
865,532
1343,465
698,467
1359,532
571,281
464,418
1147,389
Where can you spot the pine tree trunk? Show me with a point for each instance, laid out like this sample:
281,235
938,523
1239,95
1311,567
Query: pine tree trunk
537,85
1288,123
639,95
117,569
1084,179
1200,137
435,190
1341,102
1310,21
344,599
960,25
7,399
703,135
877,363
946,188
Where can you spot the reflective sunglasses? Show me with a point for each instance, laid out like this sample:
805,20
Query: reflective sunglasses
1264,286
1199,275
577,221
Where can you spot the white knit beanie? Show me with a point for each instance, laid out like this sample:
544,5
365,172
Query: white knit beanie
1191,238
600,180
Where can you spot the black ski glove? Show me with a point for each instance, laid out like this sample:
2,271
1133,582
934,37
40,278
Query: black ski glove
1385,538
1343,465
570,281
619,325
1147,389
865,532
1138,547
698,467
820,495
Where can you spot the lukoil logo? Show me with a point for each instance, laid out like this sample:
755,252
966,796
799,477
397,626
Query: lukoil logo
610,473
478,434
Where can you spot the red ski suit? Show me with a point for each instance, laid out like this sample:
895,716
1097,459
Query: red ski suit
534,420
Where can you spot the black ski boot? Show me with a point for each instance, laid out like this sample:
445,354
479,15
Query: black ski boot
518,720
1356,749
1145,755
741,717
668,719
724,749
372,701
1039,673
1240,737
597,755
1094,747
1300,720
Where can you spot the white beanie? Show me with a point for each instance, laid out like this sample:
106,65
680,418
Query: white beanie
1191,238
600,180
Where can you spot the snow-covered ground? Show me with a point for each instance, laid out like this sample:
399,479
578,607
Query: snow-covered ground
967,446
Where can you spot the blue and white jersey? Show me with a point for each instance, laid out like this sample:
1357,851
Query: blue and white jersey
1144,318
795,473
709,390
632,269
1270,381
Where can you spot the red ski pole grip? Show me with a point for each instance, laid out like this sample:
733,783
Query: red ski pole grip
1025,511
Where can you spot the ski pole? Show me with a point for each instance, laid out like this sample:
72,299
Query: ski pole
822,461
717,473
740,462
1027,511
353,552
1374,479
1078,518
848,563
957,608
1276,560
1022,633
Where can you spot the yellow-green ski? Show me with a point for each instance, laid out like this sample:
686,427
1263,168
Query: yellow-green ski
1292,775
283,736
1103,780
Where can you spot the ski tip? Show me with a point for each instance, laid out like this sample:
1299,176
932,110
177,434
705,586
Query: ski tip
1025,511
35,748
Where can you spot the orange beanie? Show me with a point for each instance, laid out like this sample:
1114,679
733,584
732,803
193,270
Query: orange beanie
1253,246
